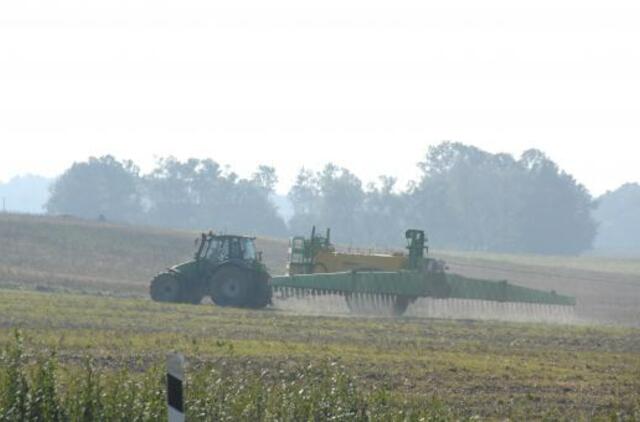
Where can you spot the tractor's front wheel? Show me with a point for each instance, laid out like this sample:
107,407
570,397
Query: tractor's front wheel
230,287
165,287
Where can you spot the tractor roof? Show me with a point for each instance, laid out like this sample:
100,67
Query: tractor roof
229,236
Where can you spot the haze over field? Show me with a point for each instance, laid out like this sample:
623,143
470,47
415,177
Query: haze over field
368,86
363,84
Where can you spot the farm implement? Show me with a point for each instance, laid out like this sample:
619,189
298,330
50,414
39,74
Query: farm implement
228,269
388,284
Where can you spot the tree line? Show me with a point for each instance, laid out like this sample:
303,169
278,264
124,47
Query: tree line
465,198
618,215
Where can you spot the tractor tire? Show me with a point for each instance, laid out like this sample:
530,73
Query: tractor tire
165,287
260,294
230,286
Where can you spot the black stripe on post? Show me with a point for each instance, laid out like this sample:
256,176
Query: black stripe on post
175,393
175,388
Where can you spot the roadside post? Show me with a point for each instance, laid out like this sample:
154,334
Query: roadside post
175,389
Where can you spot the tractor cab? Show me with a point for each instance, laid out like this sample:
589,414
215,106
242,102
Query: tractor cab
223,248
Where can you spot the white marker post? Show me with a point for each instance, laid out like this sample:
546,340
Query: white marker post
175,391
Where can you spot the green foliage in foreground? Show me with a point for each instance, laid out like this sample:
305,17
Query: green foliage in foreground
37,387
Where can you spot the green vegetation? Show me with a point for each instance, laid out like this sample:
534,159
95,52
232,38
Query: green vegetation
40,390
261,360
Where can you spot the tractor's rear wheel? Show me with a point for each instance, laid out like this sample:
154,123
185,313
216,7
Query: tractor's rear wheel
230,287
165,287
260,294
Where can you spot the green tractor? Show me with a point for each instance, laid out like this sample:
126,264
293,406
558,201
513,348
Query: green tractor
225,267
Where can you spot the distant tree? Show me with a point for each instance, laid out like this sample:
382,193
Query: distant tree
305,198
471,199
266,178
467,198
200,194
99,187
557,210
618,215
342,201
383,216
175,192
332,198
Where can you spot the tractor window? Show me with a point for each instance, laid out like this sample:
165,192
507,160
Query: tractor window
217,250
249,249
230,248
235,250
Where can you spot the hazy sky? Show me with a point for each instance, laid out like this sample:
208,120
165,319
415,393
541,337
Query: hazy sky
366,84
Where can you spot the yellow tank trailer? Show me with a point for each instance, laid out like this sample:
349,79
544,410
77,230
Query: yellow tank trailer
318,255
390,283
